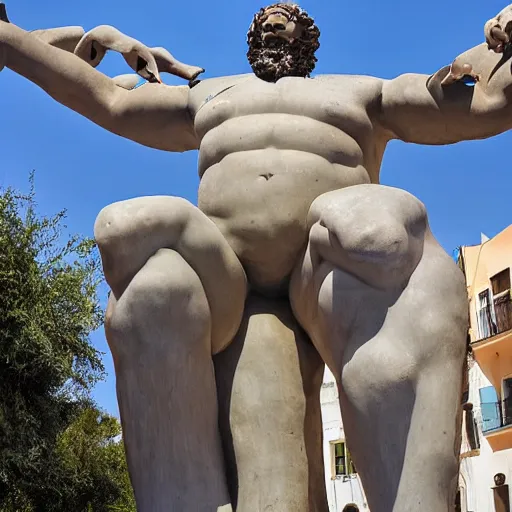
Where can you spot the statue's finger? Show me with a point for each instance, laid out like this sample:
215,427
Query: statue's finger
499,34
168,63
3,13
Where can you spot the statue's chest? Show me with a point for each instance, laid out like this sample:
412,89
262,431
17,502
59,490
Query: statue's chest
292,96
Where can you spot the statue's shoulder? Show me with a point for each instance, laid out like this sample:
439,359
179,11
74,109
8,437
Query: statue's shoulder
365,88
207,89
224,80
363,80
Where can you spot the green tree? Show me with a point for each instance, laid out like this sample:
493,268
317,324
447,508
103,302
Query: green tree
48,308
92,453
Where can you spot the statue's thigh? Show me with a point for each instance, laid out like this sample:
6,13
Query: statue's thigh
130,233
372,262
399,361
396,346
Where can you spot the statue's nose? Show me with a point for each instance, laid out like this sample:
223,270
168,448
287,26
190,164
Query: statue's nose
275,23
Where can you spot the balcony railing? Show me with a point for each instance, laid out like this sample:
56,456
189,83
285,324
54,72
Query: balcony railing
495,318
496,415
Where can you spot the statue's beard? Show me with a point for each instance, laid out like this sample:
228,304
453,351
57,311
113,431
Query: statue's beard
277,58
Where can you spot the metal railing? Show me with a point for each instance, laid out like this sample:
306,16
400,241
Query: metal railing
496,415
495,318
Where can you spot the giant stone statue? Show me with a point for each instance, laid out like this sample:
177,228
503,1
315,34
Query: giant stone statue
222,315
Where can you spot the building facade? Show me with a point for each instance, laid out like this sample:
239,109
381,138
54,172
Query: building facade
341,479
486,455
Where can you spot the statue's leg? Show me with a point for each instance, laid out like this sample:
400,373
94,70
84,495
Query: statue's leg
386,308
178,294
269,382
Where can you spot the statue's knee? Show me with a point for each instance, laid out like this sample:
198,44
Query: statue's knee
128,218
112,231
383,243
376,232
129,232
110,227
166,298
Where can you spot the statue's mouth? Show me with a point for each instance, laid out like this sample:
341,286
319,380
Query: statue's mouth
270,37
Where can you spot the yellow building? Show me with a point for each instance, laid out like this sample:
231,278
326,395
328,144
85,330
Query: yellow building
487,269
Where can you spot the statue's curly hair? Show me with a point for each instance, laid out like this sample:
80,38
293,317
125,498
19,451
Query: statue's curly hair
286,59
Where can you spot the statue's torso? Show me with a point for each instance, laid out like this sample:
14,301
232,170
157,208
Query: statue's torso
269,149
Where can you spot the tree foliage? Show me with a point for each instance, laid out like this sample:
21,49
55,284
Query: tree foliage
48,308
92,454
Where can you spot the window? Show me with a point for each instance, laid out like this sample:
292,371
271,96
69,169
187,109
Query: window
507,401
486,325
501,282
488,395
471,427
500,285
495,307
340,466
507,388
490,407
343,464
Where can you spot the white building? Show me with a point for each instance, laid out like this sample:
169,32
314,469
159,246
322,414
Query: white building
343,484
487,428
479,463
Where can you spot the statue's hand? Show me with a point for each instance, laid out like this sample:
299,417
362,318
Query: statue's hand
498,30
94,45
167,63
146,62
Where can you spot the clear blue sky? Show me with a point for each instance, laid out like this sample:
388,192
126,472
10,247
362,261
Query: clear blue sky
465,187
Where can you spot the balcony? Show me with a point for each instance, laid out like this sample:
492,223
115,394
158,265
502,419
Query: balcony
493,348
496,415
497,424
495,318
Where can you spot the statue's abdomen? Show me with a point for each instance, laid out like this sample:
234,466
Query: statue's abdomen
260,199
262,163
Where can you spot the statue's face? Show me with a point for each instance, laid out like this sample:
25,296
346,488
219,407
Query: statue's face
277,23
282,42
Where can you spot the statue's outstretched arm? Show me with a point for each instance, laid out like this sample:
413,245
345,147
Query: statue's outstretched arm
471,99
154,115
93,45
